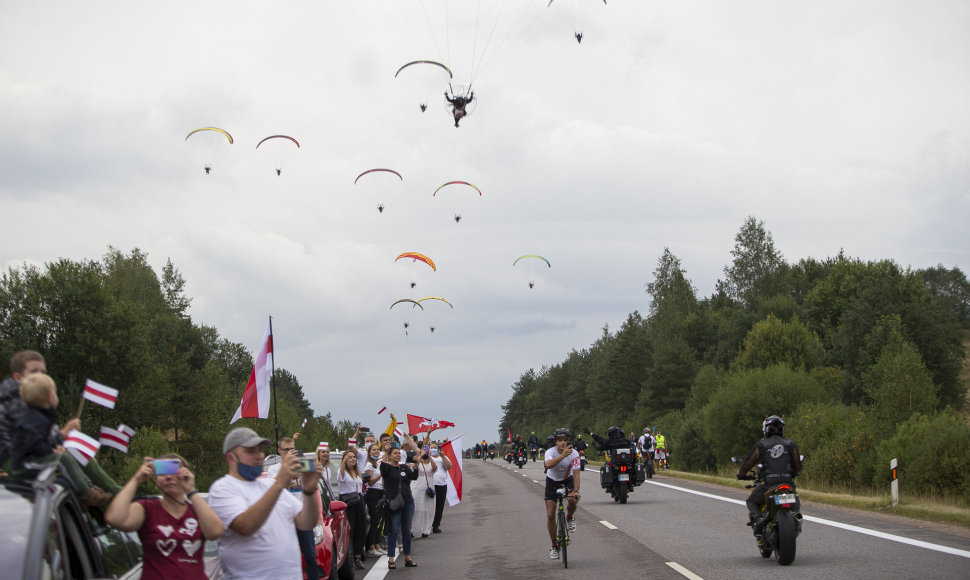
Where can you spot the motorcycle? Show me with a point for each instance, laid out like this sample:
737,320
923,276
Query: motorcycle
520,458
782,524
508,457
582,460
533,453
621,474
491,453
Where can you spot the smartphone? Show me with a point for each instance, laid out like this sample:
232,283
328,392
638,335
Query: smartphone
167,466
306,465
365,429
425,448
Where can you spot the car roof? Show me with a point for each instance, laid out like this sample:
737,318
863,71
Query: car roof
16,516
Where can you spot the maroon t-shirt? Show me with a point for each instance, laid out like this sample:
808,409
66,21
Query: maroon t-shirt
173,548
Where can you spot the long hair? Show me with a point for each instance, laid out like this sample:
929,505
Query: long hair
370,459
344,469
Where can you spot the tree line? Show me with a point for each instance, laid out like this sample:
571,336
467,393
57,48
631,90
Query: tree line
119,323
863,359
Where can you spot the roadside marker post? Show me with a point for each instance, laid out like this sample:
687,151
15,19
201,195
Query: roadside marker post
894,484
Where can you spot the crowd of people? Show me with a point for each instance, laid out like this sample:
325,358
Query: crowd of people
262,516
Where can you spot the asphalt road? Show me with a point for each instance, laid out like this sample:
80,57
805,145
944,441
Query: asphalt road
669,529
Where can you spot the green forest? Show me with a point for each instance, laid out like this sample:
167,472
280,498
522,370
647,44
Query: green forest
864,359
119,323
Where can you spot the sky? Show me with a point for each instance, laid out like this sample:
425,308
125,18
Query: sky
842,125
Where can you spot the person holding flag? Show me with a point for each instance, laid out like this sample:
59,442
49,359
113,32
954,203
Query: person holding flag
32,443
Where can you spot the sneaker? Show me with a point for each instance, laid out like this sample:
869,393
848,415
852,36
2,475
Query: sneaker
571,524
554,554
374,553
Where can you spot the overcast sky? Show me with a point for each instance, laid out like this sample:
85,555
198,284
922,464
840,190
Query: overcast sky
840,124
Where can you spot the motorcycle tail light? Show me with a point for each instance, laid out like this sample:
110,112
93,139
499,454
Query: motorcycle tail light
623,468
784,487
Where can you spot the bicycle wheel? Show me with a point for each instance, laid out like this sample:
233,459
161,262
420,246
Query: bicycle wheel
563,537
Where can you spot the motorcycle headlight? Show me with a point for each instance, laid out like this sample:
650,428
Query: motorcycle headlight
317,533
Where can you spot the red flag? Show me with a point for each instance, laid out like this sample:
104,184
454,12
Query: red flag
255,400
454,474
114,438
384,408
509,429
100,394
418,424
82,447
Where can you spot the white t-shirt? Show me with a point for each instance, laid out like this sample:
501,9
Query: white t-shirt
562,470
370,472
272,552
347,483
440,476
646,442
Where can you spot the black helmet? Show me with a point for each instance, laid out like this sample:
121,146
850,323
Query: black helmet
773,425
614,433
561,431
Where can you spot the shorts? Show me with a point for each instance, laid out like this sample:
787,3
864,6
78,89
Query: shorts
660,454
552,485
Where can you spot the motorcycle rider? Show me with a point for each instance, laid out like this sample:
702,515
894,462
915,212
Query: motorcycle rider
517,445
780,463
562,466
533,442
613,442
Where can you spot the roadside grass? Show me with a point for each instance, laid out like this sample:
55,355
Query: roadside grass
931,509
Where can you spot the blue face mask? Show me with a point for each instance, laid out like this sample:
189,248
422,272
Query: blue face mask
248,472
375,457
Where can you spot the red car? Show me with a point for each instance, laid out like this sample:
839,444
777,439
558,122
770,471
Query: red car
332,538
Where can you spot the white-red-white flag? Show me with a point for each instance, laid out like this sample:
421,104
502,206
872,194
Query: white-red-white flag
256,397
417,424
126,430
302,425
454,474
82,447
100,394
114,438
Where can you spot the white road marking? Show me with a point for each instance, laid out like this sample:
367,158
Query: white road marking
534,481
378,570
609,525
683,571
834,524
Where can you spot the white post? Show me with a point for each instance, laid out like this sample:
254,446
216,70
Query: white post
894,485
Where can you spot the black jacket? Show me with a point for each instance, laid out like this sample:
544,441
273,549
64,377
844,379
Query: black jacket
31,437
612,445
779,459
398,478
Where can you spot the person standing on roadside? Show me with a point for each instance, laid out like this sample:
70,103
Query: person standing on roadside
440,486
397,478
258,513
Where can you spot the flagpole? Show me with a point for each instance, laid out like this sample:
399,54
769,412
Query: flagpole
272,381
81,406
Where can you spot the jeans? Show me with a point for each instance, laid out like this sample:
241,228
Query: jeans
400,520
308,549
440,496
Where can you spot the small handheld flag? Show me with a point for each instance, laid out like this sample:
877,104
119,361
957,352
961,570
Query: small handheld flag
114,438
302,425
126,430
100,394
82,447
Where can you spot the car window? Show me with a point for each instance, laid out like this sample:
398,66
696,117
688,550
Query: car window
79,556
325,499
120,553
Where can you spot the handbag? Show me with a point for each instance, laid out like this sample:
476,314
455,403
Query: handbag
351,499
395,503
430,491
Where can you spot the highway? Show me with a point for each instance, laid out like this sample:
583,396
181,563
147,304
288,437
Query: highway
669,529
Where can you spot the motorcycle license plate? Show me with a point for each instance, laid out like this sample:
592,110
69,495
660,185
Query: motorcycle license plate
624,477
785,498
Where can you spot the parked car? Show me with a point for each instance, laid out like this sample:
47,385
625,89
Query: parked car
45,532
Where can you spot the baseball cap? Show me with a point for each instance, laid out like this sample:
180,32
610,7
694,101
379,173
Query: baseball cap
243,436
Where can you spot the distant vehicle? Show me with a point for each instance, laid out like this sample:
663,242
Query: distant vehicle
45,532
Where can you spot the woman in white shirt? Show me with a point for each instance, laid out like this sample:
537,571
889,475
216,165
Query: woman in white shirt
350,487
373,497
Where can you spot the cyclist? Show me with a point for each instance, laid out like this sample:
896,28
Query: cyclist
562,467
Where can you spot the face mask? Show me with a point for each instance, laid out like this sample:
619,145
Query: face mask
375,457
248,472
434,452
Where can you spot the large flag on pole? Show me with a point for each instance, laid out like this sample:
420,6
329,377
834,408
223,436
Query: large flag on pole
454,474
418,424
255,400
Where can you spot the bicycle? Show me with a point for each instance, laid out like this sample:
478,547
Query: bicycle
562,527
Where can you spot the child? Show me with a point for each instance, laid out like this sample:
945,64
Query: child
31,440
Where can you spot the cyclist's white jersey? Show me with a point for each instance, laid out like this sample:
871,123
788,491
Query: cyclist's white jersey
562,470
